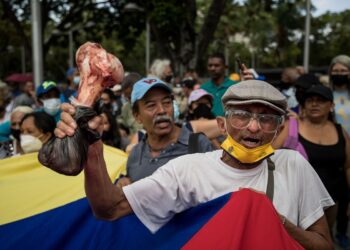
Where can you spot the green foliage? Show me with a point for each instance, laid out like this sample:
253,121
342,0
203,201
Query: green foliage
267,30
264,33
331,36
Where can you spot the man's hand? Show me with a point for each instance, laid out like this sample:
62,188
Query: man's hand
246,74
67,125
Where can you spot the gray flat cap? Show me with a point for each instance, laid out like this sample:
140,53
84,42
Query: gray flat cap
254,91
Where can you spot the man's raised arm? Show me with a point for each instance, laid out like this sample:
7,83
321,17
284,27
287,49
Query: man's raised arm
107,200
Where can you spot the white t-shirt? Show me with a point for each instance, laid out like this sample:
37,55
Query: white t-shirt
197,178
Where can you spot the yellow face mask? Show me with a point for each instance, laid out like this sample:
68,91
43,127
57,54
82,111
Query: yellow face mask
246,155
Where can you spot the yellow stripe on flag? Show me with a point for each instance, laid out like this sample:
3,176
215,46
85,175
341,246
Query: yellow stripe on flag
27,188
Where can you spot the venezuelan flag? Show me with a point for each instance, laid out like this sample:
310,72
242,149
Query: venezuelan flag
41,209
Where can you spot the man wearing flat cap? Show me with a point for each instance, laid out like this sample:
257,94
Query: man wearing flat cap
254,113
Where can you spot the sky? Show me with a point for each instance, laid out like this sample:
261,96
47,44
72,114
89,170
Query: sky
323,6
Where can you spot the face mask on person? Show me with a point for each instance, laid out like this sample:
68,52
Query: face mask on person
340,79
203,111
103,104
106,135
168,78
246,155
283,85
52,106
15,133
76,80
30,143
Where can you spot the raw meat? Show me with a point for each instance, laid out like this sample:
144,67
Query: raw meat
98,70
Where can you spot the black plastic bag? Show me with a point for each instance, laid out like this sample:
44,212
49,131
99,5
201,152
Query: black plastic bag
68,155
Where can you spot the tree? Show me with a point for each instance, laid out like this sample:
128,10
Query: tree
58,18
264,31
173,25
267,33
330,37
174,28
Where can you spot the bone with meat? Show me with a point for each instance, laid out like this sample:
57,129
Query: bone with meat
98,70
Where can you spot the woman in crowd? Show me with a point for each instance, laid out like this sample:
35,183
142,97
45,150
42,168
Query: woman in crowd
111,135
200,103
16,117
339,76
108,100
36,129
323,142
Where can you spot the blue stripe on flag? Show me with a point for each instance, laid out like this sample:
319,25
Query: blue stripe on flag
73,226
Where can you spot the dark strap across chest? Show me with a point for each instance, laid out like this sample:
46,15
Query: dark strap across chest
270,179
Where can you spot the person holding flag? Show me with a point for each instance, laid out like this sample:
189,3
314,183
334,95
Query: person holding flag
254,114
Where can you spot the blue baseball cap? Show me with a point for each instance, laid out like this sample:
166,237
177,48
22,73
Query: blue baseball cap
142,86
45,87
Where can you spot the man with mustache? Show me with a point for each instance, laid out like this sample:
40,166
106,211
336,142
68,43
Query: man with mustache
152,105
254,112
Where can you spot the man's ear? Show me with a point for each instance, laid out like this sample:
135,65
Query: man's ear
221,124
136,112
137,117
280,128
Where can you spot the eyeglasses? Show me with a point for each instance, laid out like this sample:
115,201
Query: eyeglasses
241,119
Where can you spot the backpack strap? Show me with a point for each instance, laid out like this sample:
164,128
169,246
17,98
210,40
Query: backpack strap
193,143
270,179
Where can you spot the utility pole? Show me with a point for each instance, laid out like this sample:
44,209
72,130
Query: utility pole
307,37
37,48
147,47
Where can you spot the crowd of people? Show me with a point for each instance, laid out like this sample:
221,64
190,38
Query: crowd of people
230,124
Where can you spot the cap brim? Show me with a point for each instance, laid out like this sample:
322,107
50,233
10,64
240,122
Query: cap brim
242,102
319,93
47,90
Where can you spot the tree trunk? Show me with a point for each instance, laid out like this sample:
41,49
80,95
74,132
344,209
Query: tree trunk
207,32
183,48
